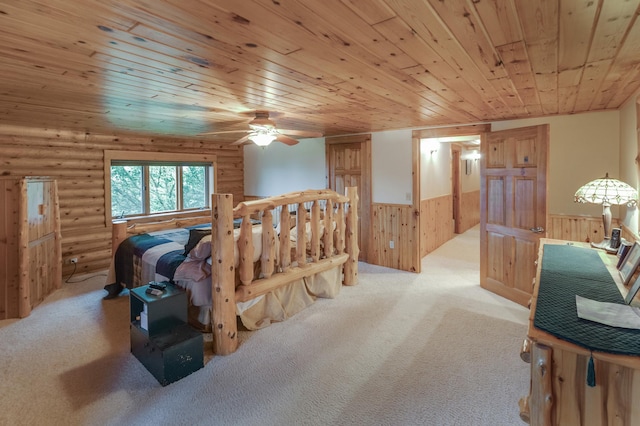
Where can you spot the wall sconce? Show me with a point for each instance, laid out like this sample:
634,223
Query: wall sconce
430,144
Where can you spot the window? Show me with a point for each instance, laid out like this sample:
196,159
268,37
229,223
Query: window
127,193
145,184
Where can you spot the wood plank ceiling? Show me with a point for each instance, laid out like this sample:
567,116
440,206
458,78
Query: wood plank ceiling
184,67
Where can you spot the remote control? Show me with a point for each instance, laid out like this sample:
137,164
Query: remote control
154,291
158,286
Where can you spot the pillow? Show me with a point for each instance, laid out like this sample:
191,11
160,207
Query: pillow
195,235
202,250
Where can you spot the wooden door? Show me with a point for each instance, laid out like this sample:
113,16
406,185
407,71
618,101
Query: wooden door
513,214
349,164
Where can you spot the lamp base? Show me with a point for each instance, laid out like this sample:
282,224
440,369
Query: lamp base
605,245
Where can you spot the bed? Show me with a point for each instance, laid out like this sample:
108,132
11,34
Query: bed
262,261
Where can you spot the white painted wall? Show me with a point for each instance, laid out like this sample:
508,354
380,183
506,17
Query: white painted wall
435,170
583,147
628,153
470,182
391,165
278,168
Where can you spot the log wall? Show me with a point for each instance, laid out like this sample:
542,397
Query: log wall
397,223
469,210
436,215
75,160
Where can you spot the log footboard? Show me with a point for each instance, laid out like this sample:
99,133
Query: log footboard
326,236
339,247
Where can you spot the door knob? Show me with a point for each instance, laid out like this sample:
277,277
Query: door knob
538,229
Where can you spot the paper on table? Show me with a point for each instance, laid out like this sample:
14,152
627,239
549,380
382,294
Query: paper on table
613,314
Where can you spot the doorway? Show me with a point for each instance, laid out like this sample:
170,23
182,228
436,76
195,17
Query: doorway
448,183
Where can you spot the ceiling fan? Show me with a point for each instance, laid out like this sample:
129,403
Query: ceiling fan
262,131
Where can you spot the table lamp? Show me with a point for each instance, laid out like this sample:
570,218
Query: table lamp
606,191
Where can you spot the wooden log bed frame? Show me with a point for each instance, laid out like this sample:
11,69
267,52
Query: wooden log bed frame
278,269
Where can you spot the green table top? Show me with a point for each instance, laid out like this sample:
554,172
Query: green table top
568,271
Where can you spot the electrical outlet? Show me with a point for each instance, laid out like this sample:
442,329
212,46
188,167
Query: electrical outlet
391,244
73,260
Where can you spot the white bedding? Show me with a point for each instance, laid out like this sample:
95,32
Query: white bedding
194,274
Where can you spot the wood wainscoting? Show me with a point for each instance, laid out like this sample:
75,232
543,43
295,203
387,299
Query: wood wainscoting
577,228
76,161
397,225
469,210
436,216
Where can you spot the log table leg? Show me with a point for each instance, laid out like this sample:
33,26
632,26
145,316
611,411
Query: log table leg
525,351
524,409
541,399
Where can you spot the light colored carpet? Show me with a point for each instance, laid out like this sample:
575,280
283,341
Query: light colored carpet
397,349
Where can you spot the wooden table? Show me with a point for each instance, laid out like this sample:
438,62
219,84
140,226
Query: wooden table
559,393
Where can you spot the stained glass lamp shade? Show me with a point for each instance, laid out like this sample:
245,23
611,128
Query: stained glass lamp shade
606,191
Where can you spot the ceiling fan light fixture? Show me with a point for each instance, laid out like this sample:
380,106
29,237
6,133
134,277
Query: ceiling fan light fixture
263,138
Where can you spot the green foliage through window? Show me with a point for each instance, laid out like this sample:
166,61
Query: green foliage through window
194,180
162,189
139,189
127,194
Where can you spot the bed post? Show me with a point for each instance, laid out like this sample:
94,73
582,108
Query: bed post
223,304
351,265
118,234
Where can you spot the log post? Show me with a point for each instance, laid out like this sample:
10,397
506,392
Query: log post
327,236
340,231
315,231
245,250
525,351
57,275
301,226
351,266
24,287
268,245
285,242
118,234
541,399
223,303
523,404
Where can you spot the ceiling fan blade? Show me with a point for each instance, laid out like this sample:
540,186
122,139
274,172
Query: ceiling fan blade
286,140
302,133
224,132
242,140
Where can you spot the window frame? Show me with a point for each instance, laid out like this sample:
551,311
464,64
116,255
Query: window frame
157,157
